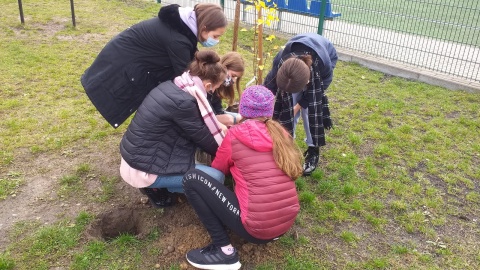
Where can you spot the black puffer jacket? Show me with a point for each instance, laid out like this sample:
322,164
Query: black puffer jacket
165,131
136,61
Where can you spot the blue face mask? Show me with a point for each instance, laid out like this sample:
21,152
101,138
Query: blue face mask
210,42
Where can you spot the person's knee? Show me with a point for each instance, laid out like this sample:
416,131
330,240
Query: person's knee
212,172
194,178
195,174
189,176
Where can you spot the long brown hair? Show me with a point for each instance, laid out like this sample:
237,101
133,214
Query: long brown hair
209,17
207,67
293,75
232,61
286,153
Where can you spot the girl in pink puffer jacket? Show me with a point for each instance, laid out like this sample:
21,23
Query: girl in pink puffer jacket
264,162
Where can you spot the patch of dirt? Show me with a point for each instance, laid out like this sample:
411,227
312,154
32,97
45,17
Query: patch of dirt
85,38
50,29
37,200
128,211
47,30
116,222
180,230
385,78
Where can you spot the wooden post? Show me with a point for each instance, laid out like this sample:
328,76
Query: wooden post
20,7
260,49
73,13
236,23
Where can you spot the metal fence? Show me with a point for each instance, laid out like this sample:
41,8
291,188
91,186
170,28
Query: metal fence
438,35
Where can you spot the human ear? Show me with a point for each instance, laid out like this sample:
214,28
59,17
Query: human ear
208,87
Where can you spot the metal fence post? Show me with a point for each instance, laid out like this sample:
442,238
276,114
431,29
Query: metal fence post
321,19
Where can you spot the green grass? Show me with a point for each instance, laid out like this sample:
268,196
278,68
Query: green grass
61,243
74,185
44,245
455,21
9,183
398,179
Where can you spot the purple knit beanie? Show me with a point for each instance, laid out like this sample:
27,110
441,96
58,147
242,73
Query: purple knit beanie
256,101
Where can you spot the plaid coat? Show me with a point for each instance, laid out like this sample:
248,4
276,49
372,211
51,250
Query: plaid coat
314,97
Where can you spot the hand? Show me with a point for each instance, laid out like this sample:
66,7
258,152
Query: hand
296,109
228,119
239,118
225,119
224,128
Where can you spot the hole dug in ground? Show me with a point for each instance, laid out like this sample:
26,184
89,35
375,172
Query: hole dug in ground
116,222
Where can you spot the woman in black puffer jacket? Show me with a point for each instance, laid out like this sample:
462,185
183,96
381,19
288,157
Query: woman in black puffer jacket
147,54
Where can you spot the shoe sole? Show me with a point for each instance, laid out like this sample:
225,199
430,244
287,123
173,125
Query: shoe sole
234,266
308,173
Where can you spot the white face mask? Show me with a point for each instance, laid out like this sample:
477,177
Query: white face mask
228,81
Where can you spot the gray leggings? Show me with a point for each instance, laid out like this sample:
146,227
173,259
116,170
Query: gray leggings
304,113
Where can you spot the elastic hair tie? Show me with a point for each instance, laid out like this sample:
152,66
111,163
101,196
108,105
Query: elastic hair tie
266,120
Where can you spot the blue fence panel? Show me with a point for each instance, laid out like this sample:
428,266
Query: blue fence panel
299,6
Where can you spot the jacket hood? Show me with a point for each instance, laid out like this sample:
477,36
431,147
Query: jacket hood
170,15
253,134
315,42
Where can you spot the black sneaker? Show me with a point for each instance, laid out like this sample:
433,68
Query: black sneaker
311,160
159,197
212,257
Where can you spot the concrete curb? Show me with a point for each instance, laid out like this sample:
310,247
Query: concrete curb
409,72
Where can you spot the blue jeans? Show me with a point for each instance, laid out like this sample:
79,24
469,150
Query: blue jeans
173,182
304,113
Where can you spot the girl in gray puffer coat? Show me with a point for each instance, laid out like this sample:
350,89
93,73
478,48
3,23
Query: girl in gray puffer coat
173,120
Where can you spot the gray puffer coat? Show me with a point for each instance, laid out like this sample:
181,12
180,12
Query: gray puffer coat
165,132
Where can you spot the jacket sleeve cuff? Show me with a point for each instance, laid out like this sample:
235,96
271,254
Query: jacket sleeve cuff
303,102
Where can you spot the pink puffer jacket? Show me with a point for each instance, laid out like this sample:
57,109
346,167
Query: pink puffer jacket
267,196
